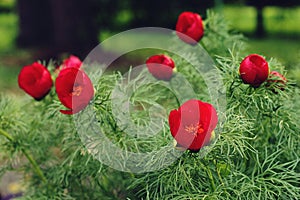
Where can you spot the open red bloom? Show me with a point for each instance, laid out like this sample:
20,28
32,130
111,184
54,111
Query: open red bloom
193,123
74,89
254,70
72,61
35,80
160,66
191,26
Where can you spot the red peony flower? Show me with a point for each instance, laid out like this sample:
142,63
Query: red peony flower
160,66
191,25
254,70
72,61
74,89
35,80
193,123
279,79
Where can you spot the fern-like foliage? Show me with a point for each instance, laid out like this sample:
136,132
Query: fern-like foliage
255,154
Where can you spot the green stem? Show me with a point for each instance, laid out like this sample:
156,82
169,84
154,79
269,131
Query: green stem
7,135
35,166
203,45
211,178
174,94
177,101
218,172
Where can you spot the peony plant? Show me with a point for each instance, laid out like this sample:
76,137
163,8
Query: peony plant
249,150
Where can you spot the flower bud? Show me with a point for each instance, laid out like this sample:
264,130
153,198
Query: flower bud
35,80
72,61
160,66
254,70
278,79
189,27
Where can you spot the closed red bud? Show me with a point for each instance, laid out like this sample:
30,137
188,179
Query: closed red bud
279,79
189,27
72,61
254,70
160,66
35,80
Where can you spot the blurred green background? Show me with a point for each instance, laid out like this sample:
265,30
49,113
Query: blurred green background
282,27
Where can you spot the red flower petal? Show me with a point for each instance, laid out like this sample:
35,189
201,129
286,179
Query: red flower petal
160,66
254,70
192,124
35,80
174,121
191,26
74,89
67,112
72,61
279,79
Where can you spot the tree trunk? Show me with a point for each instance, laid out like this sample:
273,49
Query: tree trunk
75,30
260,30
34,23
58,26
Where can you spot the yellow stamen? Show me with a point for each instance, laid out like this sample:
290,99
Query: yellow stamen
194,129
76,90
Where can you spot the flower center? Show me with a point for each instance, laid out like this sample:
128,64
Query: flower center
76,90
194,129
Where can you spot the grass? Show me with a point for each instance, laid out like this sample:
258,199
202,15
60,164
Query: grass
11,58
8,78
286,51
8,31
121,44
277,20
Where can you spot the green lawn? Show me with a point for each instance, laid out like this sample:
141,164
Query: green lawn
276,20
11,58
8,31
285,50
8,79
